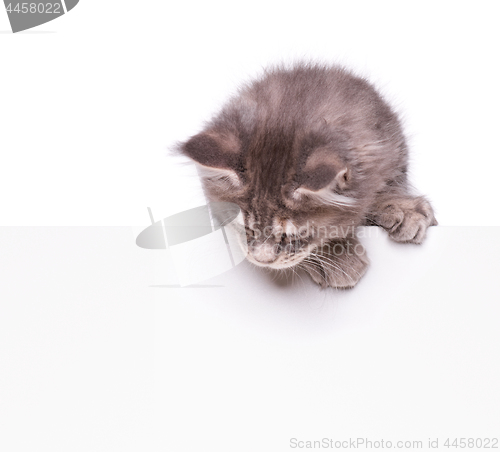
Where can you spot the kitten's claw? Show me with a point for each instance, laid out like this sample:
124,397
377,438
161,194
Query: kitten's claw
407,220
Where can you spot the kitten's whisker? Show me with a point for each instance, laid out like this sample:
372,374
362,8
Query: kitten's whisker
334,266
312,268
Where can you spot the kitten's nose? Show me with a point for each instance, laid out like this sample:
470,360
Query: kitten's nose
264,253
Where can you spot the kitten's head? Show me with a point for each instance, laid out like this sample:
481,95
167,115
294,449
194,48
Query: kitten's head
295,190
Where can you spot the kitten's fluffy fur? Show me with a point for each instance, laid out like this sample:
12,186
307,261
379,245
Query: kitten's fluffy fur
308,154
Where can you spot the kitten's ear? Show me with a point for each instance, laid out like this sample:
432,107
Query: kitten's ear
324,179
217,157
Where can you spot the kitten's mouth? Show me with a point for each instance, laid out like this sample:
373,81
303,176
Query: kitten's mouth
278,264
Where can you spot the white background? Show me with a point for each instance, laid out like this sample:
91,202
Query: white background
94,358
89,111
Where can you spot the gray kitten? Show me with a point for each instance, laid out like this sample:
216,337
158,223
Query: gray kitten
309,154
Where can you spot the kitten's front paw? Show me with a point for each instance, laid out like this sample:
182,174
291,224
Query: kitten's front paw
407,220
339,264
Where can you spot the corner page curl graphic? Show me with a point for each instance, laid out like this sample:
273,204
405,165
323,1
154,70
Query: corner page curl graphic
203,242
28,14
